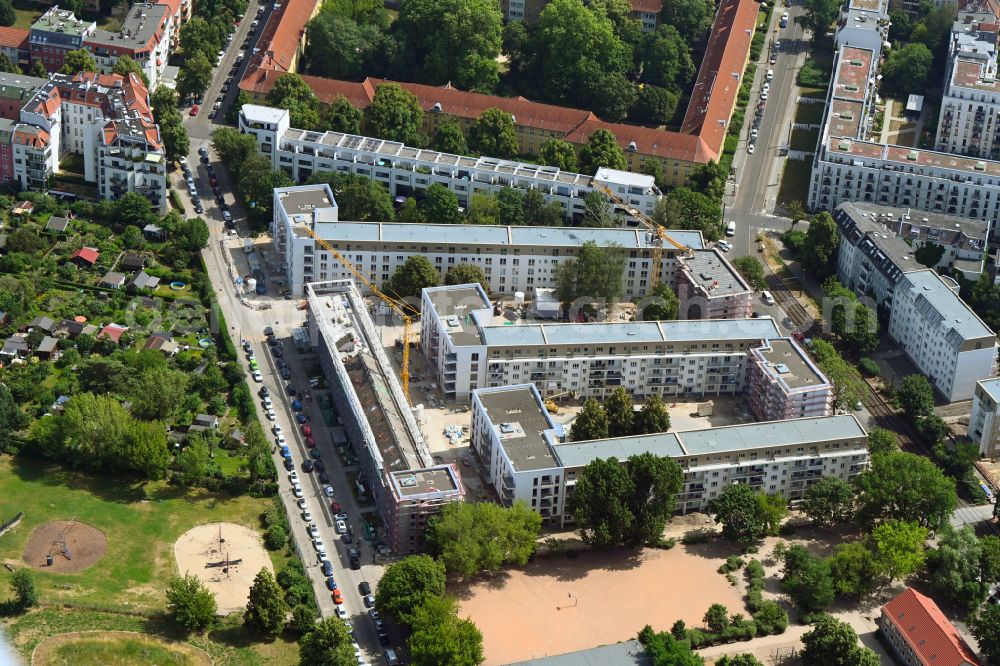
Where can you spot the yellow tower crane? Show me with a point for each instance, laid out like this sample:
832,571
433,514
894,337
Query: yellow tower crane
657,230
403,309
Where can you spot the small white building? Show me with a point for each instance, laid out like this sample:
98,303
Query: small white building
984,424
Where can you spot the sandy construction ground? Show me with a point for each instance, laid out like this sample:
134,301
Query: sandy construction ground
200,545
561,604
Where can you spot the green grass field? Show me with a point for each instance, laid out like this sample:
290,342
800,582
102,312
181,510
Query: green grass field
809,114
794,182
141,522
804,140
102,649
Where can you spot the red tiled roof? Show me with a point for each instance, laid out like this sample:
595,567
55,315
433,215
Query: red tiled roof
928,632
647,6
14,38
113,331
88,254
649,141
279,40
721,72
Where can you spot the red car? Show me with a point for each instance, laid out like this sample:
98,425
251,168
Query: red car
310,442
335,506
338,598
306,430
212,180
194,110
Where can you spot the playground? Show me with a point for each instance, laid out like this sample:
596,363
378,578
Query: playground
64,546
225,557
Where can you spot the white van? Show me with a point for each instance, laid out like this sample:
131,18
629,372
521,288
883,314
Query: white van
767,297
731,228
770,75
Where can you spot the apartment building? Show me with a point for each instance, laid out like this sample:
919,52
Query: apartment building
701,139
396,469
468,347
14,45
920,634
523,455
984,424
513,259
970,103
56,33
941,335
409,171
709,287
784,383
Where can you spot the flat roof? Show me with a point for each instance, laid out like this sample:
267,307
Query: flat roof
786,360
992,387
688,330
416,482
627,178
520,422
770,434
304,199
936,300
579,454
256,113
714,273
457,299
628,653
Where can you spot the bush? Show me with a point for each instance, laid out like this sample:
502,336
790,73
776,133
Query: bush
794,239
813,75
755,585
695,537
275,537
869,367
733,562
770,618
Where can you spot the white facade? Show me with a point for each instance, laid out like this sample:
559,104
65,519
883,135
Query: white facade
942,336
969,120
784,383
984,424
521,452
468,348
410,171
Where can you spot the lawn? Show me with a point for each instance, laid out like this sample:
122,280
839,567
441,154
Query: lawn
140,520
809,114
26,16
116,649
794,182
804,140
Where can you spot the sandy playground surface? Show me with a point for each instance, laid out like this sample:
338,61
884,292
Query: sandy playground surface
200,545
84,546
561,604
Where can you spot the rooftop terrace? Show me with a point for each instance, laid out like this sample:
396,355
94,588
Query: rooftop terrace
520,421
787,362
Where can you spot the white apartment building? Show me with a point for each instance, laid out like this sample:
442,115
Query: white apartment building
784,383
522,453
406,171
941,335
513,259
145,35
468,347
709,287
984,424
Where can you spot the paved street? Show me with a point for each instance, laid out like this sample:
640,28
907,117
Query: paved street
249,323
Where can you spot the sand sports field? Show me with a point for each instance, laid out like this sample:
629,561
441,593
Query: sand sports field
201,545
561,604
73,545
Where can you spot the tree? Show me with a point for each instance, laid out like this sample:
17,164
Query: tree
665,59
666,649
610,94
157,393
451,40
684,208
328,643
602,150
22,584
5,64
175,137
772,509
233,147
416,274
853,569
654,105
538,213
483,209
929,254
466,274
494,134
557,153
511,202
597,211
662,304
292,93
829,501
194,465
834,643
448,138
807,580
881,440
195,76
737,510
795,211
744,659
78,61
11,418
361,11
656,480
190,603
440,637
395,115
408,584
906,71
7,14
956,566
907,487
37,69
358,198
985,628
591,423
243,98
916,397
848,386
752,270
620,413
819,15
599,504
257,182
595,273
266,608
819,252
342,116
470,538
652,418
410,213
440,205
716,618
124,65
898,548
709,179
340,47
690,17
863,335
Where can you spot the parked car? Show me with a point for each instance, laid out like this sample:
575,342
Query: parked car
308,465
257,376
307,515
328,491
293,477
327,567
297,490
330,583
323,477
341,527
369,600
364,587
310,442
306,429
312,530
338,596
194,111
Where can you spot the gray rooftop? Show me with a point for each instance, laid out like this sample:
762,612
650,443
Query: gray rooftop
940,226
787,361
519,419
579,454
63,21
890,254
711,270
763,328
936,301
142,22
304,199
629,653
457,299
992,388
412,483
771,434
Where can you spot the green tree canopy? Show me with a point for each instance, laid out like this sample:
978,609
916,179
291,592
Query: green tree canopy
881,440
340,47
853,569
342,116
124,65
956,567
819,252
665,59
985,627
652,418
752,271
835,643
7,14
292,93
602,150
328,643
441,637
416,274
558,153
440,205
266,608
470,538
662,304
408,584
684,208
664,649
591,423
358,198
22,584
906,487
595,273
195,76
906,70
395,115
190,603
737,510
819,15
898,548
654,105
691,18
78,61
829,501
915,396
807,580
929,254
484,208
494,134
467,274
621,413
448,138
